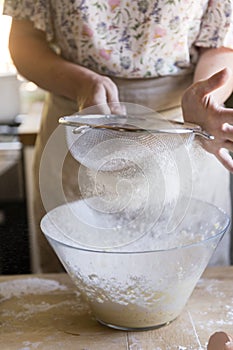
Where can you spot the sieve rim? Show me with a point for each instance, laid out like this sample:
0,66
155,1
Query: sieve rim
120,123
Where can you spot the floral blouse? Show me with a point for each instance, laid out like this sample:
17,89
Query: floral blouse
130,38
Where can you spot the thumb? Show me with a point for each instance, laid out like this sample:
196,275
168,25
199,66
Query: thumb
215,81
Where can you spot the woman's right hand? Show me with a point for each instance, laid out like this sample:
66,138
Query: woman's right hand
95,89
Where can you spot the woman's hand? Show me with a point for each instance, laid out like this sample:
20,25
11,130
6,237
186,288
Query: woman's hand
96,90
199,107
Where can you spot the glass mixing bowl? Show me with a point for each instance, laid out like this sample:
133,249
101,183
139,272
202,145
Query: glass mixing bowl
139,282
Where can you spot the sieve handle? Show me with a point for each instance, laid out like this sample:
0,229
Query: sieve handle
81,129
204,134
78,127
81,126
197,130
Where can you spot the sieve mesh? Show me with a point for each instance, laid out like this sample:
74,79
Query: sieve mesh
134,178
94,146
100,131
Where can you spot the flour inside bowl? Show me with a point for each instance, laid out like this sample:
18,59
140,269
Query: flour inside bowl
135,303
145,281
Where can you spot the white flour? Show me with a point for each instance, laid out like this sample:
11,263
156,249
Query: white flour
27,345
18,288
146,282
131,299
133,231
214,290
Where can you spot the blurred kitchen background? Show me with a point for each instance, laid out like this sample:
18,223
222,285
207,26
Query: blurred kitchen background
20,110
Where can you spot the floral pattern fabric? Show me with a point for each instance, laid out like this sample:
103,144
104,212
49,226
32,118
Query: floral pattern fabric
130,38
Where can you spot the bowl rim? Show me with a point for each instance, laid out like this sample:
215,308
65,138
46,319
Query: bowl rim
125,252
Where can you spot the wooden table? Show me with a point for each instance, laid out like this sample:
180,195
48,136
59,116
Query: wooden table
45,312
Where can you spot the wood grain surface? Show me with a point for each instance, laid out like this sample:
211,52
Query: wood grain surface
46,312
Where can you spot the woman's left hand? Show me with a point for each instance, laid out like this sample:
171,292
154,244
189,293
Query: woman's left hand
199,107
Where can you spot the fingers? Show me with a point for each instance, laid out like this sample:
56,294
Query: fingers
111,90
220,148
204,87
97,100
217,124
227,132
225,158
222,132
103,91
101,95
225,115
112,95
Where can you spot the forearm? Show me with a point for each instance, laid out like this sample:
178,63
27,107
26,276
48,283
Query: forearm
37,62
211,61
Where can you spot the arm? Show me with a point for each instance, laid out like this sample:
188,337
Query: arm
202,102
37,62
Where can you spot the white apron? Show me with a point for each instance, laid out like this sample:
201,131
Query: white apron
58,170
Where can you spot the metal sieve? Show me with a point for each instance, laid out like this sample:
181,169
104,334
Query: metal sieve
97,138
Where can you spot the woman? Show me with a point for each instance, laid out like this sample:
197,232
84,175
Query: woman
156,53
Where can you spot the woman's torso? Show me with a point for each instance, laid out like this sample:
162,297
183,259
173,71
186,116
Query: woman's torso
130,39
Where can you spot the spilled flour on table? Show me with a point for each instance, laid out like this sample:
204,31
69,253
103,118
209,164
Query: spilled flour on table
27,345
214,290
212,324
28,310
31,295
18,288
